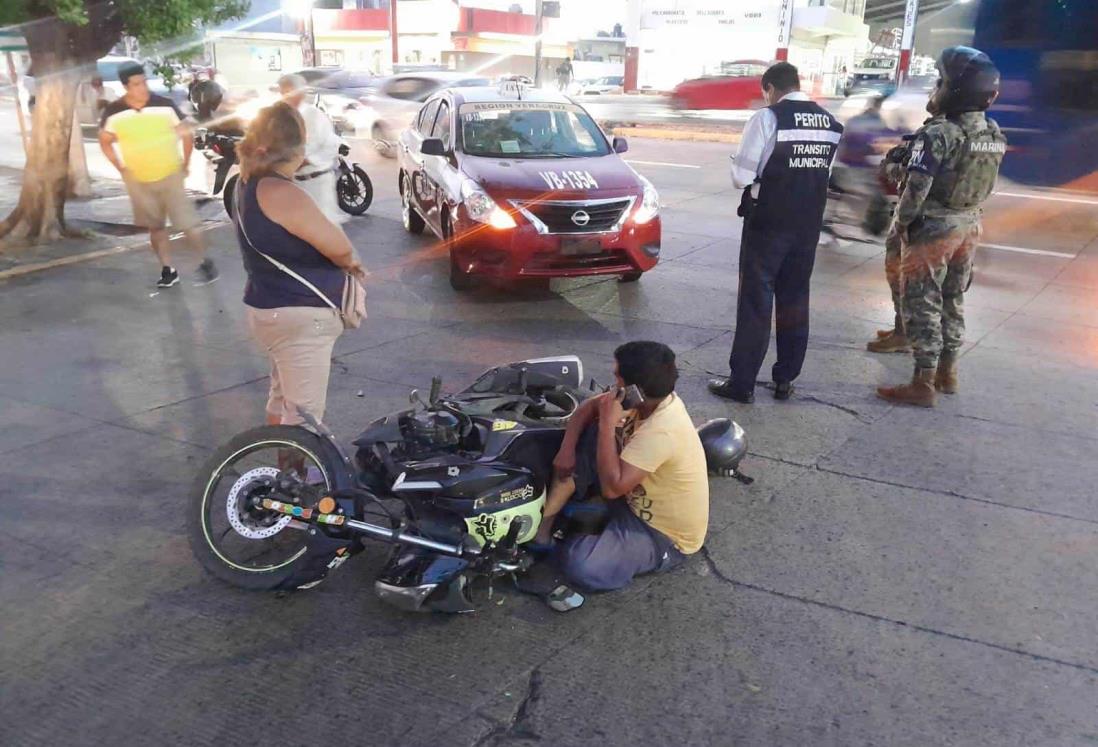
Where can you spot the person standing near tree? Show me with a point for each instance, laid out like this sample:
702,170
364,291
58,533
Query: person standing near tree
148,131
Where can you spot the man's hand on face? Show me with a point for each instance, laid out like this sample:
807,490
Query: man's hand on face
610,409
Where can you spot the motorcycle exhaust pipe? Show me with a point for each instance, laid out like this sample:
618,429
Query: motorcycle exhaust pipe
402,537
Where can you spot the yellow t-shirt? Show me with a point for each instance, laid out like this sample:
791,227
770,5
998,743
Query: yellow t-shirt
147,137
674,498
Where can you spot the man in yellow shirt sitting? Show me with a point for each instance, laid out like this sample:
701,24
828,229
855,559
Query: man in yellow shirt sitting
650,464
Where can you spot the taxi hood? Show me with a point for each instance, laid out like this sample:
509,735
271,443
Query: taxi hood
573,178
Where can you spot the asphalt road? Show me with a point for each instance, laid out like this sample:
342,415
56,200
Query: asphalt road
892,577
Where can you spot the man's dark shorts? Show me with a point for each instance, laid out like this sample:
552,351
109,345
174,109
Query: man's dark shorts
627,547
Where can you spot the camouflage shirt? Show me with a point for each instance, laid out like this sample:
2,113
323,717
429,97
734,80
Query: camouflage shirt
894,165
952,169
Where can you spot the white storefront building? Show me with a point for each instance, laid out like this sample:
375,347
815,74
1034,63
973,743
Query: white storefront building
676,40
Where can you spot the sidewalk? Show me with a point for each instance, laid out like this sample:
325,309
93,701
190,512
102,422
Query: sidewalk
106,219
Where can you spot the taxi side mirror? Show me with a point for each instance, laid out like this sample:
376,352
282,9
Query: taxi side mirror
621,145
433,146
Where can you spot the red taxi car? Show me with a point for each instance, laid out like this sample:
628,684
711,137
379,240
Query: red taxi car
523,184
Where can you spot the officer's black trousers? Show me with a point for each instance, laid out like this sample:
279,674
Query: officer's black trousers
775,272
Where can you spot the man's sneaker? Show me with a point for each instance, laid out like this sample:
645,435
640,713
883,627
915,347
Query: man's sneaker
168,278
206,273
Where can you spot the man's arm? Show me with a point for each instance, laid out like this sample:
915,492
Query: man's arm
748,161
927,154
616,477
565,461
187,137
106,144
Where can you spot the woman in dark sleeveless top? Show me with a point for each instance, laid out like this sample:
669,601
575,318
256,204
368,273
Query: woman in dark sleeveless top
286,241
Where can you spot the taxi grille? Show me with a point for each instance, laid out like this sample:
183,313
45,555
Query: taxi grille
568,217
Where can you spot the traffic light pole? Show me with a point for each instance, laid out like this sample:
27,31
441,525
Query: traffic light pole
907,42
538,25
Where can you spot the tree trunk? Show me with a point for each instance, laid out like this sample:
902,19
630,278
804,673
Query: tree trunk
79,181
61,53
40,215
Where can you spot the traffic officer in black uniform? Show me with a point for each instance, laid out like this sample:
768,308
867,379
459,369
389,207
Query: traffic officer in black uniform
783,165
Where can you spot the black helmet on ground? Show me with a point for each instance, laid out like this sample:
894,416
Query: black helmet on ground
969,81
725,445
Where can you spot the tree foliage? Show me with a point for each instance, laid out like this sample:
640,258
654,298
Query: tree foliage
147,20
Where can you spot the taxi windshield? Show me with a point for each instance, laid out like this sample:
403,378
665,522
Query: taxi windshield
530,130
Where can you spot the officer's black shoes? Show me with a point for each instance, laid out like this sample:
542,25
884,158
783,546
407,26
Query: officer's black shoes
783,390
723,388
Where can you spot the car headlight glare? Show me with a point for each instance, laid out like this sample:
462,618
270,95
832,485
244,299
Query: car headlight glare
650,205
483,209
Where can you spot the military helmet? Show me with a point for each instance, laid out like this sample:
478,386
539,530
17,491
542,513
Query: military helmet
969,80
725,445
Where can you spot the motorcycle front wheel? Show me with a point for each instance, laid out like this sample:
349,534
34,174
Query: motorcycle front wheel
354,191
231,534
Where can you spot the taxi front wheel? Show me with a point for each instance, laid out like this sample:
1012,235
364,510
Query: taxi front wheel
630,277
413,223
460,278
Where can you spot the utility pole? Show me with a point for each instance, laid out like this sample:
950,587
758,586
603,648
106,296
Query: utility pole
907,42
393,33
785,30
538,25
312,61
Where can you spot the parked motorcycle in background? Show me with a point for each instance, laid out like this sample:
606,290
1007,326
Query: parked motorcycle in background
354,190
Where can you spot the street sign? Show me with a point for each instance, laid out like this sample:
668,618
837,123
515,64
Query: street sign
10,42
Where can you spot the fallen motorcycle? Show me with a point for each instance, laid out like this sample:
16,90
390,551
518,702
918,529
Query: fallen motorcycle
456,484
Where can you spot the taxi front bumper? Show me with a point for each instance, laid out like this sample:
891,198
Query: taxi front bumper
524,251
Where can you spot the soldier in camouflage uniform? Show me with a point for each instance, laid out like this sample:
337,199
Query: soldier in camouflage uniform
952,169
894,173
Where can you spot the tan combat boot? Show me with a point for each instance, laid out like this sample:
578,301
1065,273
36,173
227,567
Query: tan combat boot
893,343
883,333
945,380
919,392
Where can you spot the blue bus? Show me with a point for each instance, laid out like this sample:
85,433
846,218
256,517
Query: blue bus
1047,51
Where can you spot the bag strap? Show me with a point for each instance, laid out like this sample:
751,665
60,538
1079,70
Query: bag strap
272,260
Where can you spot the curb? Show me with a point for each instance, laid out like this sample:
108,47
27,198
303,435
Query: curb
136,243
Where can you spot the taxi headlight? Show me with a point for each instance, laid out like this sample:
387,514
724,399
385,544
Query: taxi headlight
650,205
483,209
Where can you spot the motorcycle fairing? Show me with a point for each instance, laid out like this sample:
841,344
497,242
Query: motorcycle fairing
493,526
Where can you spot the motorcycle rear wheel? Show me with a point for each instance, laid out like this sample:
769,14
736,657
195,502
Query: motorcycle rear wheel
230,534
354,191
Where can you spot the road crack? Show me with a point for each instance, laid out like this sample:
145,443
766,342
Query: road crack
519,726
724,578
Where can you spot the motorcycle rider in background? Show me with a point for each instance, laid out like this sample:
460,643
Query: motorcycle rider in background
317,174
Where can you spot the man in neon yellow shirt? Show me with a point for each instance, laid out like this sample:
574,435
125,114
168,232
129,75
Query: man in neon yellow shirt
148,130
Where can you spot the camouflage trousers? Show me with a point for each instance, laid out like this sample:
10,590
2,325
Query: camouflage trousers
936,268
893,244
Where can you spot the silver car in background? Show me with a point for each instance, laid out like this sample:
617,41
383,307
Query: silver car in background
389,108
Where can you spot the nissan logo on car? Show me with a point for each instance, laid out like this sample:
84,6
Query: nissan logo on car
581,218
